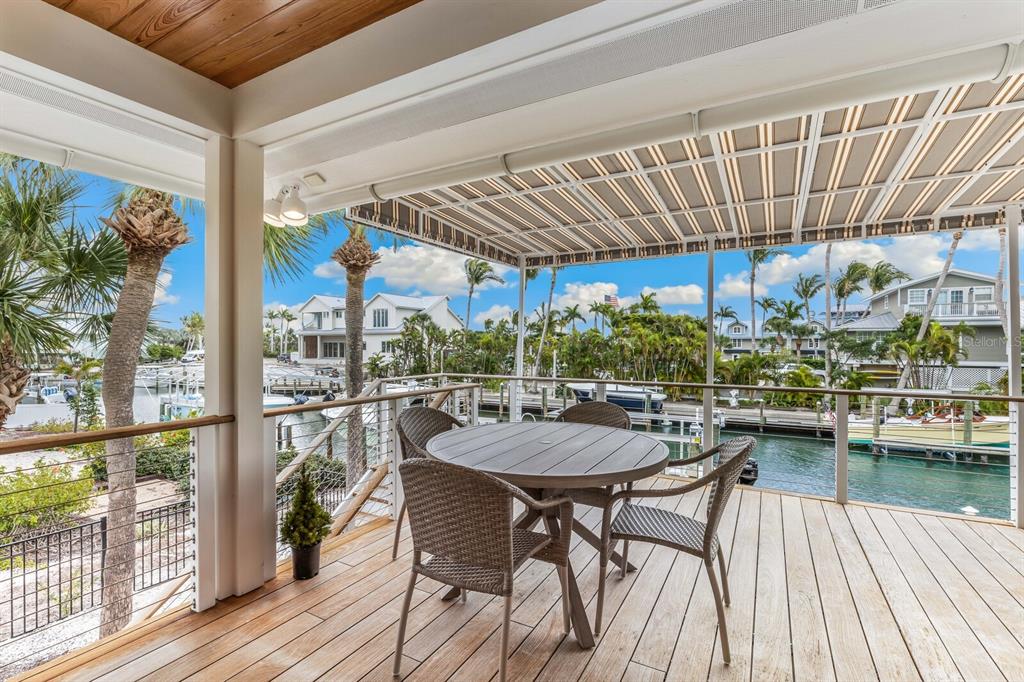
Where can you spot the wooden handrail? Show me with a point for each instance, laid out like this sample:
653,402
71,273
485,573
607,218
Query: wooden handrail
60,440
820,390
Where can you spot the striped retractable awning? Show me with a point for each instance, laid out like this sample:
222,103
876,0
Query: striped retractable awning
939,160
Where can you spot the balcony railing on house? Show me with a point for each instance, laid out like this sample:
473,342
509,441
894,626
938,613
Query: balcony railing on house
962,310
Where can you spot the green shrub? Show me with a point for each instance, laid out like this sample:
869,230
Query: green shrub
158,352
52,426
46,495
165,455
307,522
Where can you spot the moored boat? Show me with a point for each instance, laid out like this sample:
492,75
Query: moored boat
629,398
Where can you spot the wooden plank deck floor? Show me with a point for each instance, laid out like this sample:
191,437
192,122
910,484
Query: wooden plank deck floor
820,592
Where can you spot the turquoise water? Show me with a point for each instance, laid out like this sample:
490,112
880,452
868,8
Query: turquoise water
807,465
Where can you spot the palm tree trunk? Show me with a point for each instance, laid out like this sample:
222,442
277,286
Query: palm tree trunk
1000,285
13,379
753,331
927,317
127,333
544,328
828,314
469,306
355,457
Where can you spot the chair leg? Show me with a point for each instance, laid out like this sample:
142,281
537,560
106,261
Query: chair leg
725,577
601,576
401,624
625,559
563,578
722,631
506,622
462,595
398,532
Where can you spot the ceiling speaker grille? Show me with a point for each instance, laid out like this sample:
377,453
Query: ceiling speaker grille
691,37
79,106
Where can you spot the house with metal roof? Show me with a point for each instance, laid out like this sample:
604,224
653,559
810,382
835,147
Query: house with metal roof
322,324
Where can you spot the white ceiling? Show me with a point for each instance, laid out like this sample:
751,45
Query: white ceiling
449,81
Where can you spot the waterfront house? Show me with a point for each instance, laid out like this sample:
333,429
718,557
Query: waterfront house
321,329
967,297
738,335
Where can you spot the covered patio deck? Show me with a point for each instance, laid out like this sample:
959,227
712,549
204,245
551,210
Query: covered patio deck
820,591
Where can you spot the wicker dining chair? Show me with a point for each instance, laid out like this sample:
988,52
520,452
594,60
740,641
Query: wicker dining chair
639,523
464,520
599,413
417,425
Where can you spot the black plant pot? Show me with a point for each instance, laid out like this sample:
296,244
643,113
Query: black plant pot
305,562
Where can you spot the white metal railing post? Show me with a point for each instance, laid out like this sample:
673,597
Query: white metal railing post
601,392
842,426
1013,220
474,405
394,456
203,510
708,402
270,502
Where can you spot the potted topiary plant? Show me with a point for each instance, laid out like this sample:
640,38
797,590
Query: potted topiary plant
304,526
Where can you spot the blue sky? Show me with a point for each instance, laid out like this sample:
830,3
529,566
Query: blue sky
678,282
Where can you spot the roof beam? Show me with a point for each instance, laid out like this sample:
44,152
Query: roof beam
910,152
974,176
716,147
813,143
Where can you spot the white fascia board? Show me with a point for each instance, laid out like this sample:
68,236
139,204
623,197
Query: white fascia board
54,46
903,33
432,44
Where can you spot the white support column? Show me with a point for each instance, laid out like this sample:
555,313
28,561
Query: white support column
516,387
234,363
842,447
1013,219
394,458
202,484
709,373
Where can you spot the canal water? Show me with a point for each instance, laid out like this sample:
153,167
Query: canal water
806,464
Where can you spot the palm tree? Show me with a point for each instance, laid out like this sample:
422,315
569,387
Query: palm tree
547,315
648,304
478,272
724,312
193,326
787,313
926,318
55,280
571,315
883,274
78,369
273,316
767,304
287,317
756,258
849,282
357,256
147,222
806,288
595,308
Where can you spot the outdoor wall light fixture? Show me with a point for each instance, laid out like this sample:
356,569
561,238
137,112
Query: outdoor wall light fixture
286,208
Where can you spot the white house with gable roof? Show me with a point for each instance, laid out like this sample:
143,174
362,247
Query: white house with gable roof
322,324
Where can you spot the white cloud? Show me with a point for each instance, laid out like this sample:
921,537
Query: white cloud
734,285
163,283
585,293
495,312
917,255
682,294
980,240
427,269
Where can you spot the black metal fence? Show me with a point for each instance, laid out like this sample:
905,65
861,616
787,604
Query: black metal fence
51,576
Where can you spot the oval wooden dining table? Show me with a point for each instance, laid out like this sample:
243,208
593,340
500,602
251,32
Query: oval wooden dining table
546,459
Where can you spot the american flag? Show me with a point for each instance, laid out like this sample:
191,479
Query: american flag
612,300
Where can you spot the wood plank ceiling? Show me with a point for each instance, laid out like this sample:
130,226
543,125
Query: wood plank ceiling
232,41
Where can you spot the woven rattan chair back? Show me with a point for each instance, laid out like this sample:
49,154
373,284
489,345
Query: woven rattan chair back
417,425
733,454
596,412
460,515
